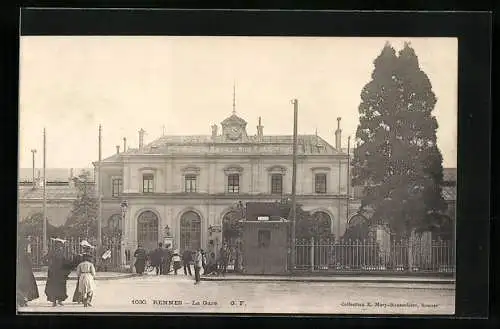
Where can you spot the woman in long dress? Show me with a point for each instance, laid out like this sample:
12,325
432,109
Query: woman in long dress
86,275
57,276
27,289
77,297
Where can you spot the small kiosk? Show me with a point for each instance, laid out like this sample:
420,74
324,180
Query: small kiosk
265,244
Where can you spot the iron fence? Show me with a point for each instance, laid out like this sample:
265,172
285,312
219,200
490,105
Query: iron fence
368,255
72,247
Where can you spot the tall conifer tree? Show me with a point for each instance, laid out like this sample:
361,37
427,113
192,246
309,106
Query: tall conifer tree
397,158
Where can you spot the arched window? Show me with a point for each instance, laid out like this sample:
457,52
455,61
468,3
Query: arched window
323,222
357,220
147,230
190,238
358,228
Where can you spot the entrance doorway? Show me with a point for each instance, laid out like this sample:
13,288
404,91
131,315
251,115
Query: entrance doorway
190,238
147,230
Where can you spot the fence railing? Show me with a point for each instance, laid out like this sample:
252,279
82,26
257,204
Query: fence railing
72,247
414,256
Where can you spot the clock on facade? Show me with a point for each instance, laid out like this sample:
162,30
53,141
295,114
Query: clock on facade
234,133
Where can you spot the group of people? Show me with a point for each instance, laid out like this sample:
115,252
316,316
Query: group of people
163,259
59,268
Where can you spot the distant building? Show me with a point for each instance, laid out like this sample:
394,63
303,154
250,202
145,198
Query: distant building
60,190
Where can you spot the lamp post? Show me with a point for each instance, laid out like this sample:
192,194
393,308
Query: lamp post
124,208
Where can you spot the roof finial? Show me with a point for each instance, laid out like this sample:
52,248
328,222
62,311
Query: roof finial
163,130
234,98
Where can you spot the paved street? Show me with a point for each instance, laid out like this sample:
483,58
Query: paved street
179,294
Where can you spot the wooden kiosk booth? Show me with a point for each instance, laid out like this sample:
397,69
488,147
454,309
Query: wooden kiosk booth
265,240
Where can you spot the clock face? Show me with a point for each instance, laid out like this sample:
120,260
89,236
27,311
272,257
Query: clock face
234,133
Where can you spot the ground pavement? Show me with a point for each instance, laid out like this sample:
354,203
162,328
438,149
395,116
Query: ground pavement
167,294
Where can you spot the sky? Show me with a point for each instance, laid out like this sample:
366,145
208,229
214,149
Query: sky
183,85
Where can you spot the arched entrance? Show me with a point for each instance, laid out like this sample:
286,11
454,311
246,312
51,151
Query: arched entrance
147,230
358,228
323,224
190,238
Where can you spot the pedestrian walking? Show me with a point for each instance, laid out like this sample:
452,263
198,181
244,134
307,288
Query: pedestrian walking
176,259
211,265
203,261
187,258
26,287
86,275
156,258
167,259
140,259
59,269
223,259
79,258
198,264
77,297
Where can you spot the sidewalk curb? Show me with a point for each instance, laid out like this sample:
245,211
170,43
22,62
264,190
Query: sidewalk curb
309,280
98,278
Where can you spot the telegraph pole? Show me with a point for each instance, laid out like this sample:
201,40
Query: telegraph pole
295,103
348,174
33,151
45,245
99,190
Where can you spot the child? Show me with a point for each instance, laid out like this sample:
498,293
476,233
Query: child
176,258
86,274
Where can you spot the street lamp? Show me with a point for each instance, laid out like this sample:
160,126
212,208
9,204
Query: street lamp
123,207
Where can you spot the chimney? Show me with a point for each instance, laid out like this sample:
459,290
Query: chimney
117,149
260,129
214,131
124,144
141,139
338,135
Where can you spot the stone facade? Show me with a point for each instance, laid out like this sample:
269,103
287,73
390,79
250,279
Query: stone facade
195,175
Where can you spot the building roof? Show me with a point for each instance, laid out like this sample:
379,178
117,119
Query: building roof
53,192
233,119
53,174
205,144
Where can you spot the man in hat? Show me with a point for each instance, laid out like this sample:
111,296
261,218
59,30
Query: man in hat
156,258
198,264
140,259
224,259
59,269
187,258
167,260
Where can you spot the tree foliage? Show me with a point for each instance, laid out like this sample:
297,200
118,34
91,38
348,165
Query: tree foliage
397,158
82,221
307,225
33,226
